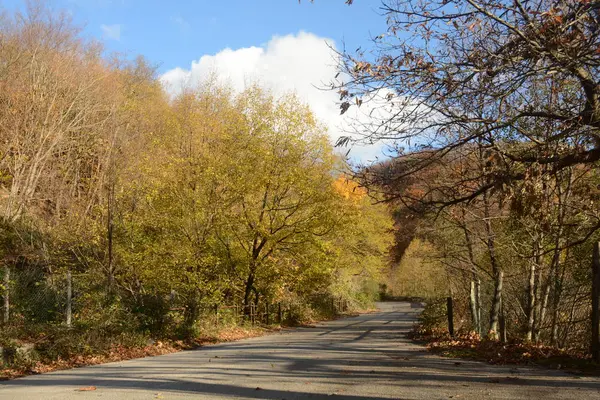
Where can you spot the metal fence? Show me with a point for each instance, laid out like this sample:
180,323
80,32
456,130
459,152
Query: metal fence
36,296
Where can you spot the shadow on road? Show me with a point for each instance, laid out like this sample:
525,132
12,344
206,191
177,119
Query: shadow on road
346,358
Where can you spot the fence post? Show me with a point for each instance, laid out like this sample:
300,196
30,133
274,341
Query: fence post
69,298
216,314
333,306
6,294
596,303
267,307
450,316
279,316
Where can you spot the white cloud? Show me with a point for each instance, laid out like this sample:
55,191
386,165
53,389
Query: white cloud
303,63
111,31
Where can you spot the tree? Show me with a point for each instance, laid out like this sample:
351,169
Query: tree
131,210
454,73
57,116
280,176
361,244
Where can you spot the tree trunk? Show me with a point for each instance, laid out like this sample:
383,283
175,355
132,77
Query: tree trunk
6,314
497,271
554,333
256,298
496,305
555,306
248,292
502,323
537,312
552,287
595,345
69,310
542,313
474,300
475,295
109,234
530,301
473,305
546,296
478,303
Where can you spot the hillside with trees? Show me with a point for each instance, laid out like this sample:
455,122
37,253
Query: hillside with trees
129,214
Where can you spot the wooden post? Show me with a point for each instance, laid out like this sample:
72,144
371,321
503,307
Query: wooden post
279,316
6,315
6,295
332,306
596,303
267,310
69,310
450,316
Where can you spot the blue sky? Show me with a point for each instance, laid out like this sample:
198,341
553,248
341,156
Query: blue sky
281,44
173,33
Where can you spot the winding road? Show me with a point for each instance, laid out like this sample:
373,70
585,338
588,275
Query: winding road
365,357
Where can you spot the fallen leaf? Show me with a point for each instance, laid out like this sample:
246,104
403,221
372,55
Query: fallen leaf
87,389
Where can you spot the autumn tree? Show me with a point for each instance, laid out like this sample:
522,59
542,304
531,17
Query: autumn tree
280,174
57,114
127,211
448,74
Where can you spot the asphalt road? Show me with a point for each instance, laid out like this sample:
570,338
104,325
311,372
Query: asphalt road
366,357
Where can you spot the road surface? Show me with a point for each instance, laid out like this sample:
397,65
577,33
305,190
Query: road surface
366,357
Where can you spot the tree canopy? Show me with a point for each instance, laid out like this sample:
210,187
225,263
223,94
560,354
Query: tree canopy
131,209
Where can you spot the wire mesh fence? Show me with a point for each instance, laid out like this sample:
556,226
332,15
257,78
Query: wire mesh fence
32,296
36,296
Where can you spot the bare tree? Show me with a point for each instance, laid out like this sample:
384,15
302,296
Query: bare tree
451,73
56,106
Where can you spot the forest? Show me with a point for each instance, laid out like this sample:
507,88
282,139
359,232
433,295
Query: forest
129,214
492,113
